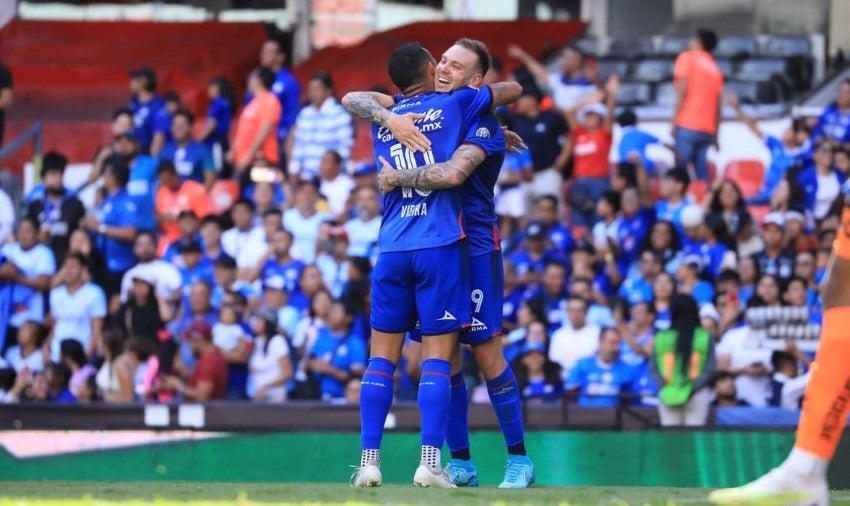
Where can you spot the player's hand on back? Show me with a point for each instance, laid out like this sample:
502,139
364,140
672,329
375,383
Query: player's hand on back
385,176
513,142
403,129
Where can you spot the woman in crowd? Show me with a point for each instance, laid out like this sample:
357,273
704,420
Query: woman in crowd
683,361
145,313
115,378
72,354
820,182
530,311
28,353
727,202
219,116
269,368
663,292
308,327
337,354
663,238
539,378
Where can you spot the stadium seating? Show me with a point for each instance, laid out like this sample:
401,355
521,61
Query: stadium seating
672,46
653,70
665,94
737,48
727,67
749,174
631,49
608,67
631,94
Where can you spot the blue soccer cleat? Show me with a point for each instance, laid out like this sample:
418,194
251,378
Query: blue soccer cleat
462,473
519,473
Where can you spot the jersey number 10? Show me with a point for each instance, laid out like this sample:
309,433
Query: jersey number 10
404,159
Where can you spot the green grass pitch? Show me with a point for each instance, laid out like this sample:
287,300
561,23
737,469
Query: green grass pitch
245,494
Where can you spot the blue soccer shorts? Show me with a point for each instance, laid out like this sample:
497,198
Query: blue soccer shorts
431,285
487,280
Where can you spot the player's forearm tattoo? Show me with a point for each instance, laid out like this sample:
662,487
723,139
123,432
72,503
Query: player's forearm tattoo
364,105
439,176
505,92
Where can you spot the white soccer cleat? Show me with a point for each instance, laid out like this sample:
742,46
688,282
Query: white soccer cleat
425,477
367,476
780,487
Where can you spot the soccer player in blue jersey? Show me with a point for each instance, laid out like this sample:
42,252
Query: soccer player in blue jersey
422,260
462,65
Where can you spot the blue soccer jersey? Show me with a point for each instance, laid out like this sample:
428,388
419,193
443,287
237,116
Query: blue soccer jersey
600,384
117,210
145,116
141,188
290,272
221,110
477,196
419,219
192,161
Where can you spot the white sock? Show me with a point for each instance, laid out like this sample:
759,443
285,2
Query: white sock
371,456
431,457
805,463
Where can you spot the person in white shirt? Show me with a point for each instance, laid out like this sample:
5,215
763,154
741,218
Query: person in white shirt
230,336
303,221
363,230
322,125
245,242
163,275
740,353
569,85
576,339
7,217
787,385
27,353
77,308
336,186
333,263
28,266
269,368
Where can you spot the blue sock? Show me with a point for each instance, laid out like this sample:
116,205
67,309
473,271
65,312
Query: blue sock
434,399
376,397
457,433
504,395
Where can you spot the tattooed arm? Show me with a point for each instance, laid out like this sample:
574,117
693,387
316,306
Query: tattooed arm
372,107
505,92
436,176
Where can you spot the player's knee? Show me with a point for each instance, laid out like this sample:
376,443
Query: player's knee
490,358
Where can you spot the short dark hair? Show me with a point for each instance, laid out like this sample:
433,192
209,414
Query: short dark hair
143,233
171,96
72,349
266,77
681,176
61,372
242,201
225,262
727,275
324,78
190,118
53,161
30,220
720,376
117,166
707,38
480,50
612,198
121,111
627,118
779,358
166,167
551,198
407,65
335,154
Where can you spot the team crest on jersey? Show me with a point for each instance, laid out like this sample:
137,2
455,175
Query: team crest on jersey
483,133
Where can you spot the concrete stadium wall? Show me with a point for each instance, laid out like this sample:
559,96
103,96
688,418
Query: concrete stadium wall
648,458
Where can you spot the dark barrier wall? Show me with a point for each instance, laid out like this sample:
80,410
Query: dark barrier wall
683,459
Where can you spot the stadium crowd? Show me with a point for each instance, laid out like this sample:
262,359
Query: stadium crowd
157,293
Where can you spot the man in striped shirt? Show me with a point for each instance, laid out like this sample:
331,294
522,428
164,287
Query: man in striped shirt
322,125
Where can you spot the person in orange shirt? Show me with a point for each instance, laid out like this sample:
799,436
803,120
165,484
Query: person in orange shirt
174,196
256,130
699,88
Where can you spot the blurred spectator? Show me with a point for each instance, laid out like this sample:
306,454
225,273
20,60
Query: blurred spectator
663,239
605,231
208,380
820,181
174,197
200,307
114,379
553,293
663,292
590,125
304,220
228,282
333,262
233,339
544,132
539,378
335,185
634,223
144,313
77,308
703,237
690,283
775,260
787,385
7,217
598,314
363,229
710,320
188,225
58,211
568,86
276,299
309,284
546,211
122,124
5,98
725,392
638,335
634,141
80,242
245,242
141,184
725,201
256,129
270,367
285,87
356,294
575,339
684,361
163,275
638,287
49,386
322,125
192,159
738,354
602,379
72,355
511,206
699,88
337,355
789,150
146,107
265,198
28,354
278,262
531,257
115,224
834,122
316,318
674,187
210,233
163,121
748,241
216,130
25,270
